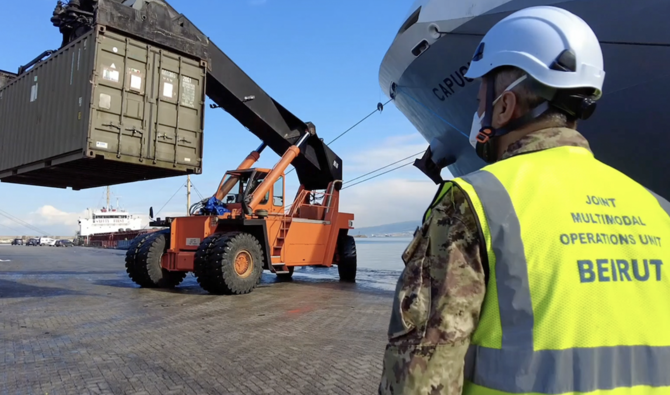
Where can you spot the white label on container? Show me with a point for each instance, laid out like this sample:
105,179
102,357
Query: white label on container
169,74
101,144
188,92
110,75
187,159
167,90
105,101
192,242
33,92
115,50
135,82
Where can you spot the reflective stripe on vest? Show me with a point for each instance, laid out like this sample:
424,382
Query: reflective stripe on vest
602,325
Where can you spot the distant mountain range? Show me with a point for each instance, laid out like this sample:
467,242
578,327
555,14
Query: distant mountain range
394,228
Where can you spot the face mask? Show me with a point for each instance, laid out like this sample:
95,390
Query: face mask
475,128
477,120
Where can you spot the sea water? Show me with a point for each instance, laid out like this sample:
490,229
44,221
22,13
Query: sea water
381,253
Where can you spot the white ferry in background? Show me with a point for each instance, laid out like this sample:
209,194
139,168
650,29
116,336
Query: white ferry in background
108,220
424,66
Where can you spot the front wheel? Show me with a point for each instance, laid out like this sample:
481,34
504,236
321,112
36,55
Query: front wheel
229,263
286,276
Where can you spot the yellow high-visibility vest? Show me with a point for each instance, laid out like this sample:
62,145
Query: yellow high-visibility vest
578,294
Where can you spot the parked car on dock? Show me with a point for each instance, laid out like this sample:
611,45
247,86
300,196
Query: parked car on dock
17,242
33,242
47,241
63,243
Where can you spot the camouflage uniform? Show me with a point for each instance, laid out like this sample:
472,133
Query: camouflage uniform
440,292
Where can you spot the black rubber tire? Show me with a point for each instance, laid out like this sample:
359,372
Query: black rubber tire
215,263
286,276
131,258
145,267
200,267
346,266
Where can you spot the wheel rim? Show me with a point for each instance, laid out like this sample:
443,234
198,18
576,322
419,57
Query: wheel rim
243,264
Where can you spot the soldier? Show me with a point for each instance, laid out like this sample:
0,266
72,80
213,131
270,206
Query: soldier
509,286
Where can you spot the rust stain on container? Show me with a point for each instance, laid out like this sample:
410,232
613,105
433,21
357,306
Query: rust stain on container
104,110
5,77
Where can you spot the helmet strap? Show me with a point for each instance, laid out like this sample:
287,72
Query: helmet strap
524,119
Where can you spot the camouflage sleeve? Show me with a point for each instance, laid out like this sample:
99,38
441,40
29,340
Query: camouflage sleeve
437,303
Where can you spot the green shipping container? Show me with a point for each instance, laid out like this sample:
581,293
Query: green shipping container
104,110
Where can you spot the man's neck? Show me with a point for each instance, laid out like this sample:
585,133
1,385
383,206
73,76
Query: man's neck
516,135
547,138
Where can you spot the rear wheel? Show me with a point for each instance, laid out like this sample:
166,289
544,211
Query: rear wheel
229,263
347,259
143,262
286,276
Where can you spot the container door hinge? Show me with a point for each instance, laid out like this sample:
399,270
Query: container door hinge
133,131
111,125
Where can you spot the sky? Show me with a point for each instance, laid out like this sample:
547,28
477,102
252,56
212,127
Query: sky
319,59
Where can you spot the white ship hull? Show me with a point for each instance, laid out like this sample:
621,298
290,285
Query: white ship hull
95,230
627,130
108,221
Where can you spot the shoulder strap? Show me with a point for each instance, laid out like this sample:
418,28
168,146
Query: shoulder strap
445,186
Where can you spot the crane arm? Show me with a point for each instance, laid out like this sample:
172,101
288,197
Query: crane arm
276,172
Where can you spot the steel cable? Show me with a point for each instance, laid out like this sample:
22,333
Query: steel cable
353,126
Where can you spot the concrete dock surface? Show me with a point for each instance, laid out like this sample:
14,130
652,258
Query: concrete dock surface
72,322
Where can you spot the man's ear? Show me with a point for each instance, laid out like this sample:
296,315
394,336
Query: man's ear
508,107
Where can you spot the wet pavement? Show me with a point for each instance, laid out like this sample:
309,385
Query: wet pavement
71,322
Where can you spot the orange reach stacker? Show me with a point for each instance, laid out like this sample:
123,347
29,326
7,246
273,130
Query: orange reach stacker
228,245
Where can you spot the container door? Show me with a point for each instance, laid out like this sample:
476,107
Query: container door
177,118
150,104
120,99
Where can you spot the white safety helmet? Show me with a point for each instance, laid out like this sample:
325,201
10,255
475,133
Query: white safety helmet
554,46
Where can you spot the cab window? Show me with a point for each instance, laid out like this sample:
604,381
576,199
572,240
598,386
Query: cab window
259,181
278,192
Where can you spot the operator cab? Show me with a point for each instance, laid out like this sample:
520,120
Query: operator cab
245,183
